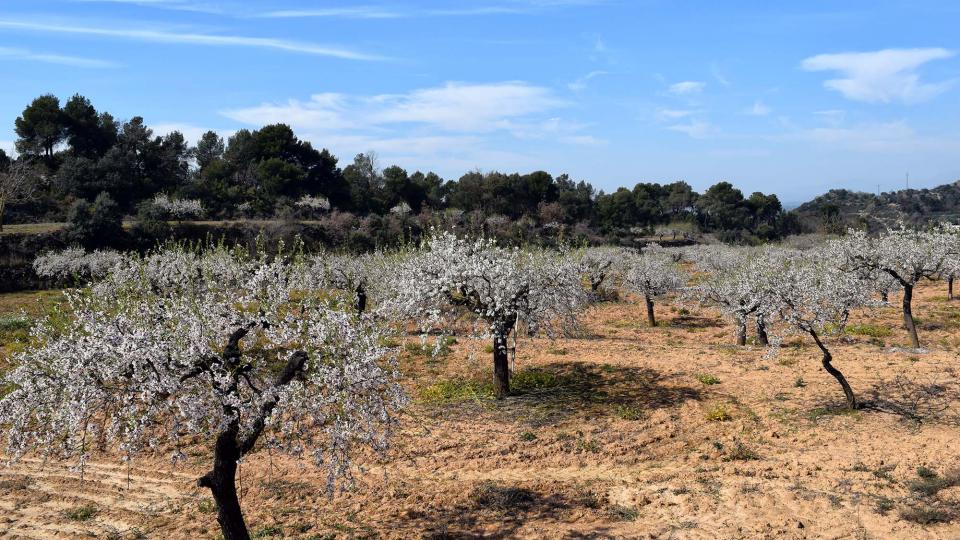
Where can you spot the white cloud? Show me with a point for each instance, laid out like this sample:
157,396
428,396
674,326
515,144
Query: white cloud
719,76
581,83
454,107
8,147
453,127
696,129
880,76
9,53
160,36
877,138
833,117
673,114
358,12
759,109
687,87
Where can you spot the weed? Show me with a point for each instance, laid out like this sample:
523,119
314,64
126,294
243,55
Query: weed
532,380
718,413
268,531
741,452
584,446
82,513
493,496
206,506
454,390
558,351
925,514
799,383
623,513
528,436
930,483
707,379
883,505
629,412
870,330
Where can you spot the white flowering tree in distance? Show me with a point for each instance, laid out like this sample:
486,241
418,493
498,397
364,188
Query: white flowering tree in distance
809,295
499,286
233,349
651,275
906,255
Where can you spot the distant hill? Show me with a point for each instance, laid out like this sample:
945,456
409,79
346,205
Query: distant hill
838,209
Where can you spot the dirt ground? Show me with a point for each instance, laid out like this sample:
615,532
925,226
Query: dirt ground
623,432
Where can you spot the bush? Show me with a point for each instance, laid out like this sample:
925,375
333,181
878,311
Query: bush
95,225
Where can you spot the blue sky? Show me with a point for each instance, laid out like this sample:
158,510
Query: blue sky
793,99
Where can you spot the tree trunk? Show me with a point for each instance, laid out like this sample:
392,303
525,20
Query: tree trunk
361,303
222,483
885,296
828,366
501,364
949,278
3,204
742,333
651,317
908,315
762,331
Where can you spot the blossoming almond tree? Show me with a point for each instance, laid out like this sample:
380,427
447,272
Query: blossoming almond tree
653,274
76,264
809,295
739,286
906,255
500,286
603,265
177,345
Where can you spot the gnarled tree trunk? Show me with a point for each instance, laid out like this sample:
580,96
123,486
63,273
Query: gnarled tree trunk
741,332
501,365
949,278
221,480
828,366
361,304
651,317
762,338
908,316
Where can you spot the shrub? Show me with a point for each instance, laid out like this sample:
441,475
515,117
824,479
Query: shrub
707,379
718,413
94,225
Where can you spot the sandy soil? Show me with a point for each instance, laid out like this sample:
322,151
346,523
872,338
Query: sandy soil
624,439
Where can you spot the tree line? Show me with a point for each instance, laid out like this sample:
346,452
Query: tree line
80,155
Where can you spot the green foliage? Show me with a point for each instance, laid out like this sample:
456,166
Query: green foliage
95,225
868,330
629,412
82,513
718,413
455,390
707,379
533,380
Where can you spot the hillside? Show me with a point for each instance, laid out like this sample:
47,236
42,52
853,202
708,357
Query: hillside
841,208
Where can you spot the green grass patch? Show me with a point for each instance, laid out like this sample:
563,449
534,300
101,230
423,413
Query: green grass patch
718,413
707,379
871,330
456,389
629,412
82,513
623,513
533,380
430,348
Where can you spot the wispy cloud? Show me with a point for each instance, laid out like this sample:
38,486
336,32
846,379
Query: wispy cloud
160,36
673,114
696,129
581,83
878,137
177,5
686,87
357,12
880,76
454,107
759,109
10,53
392,12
